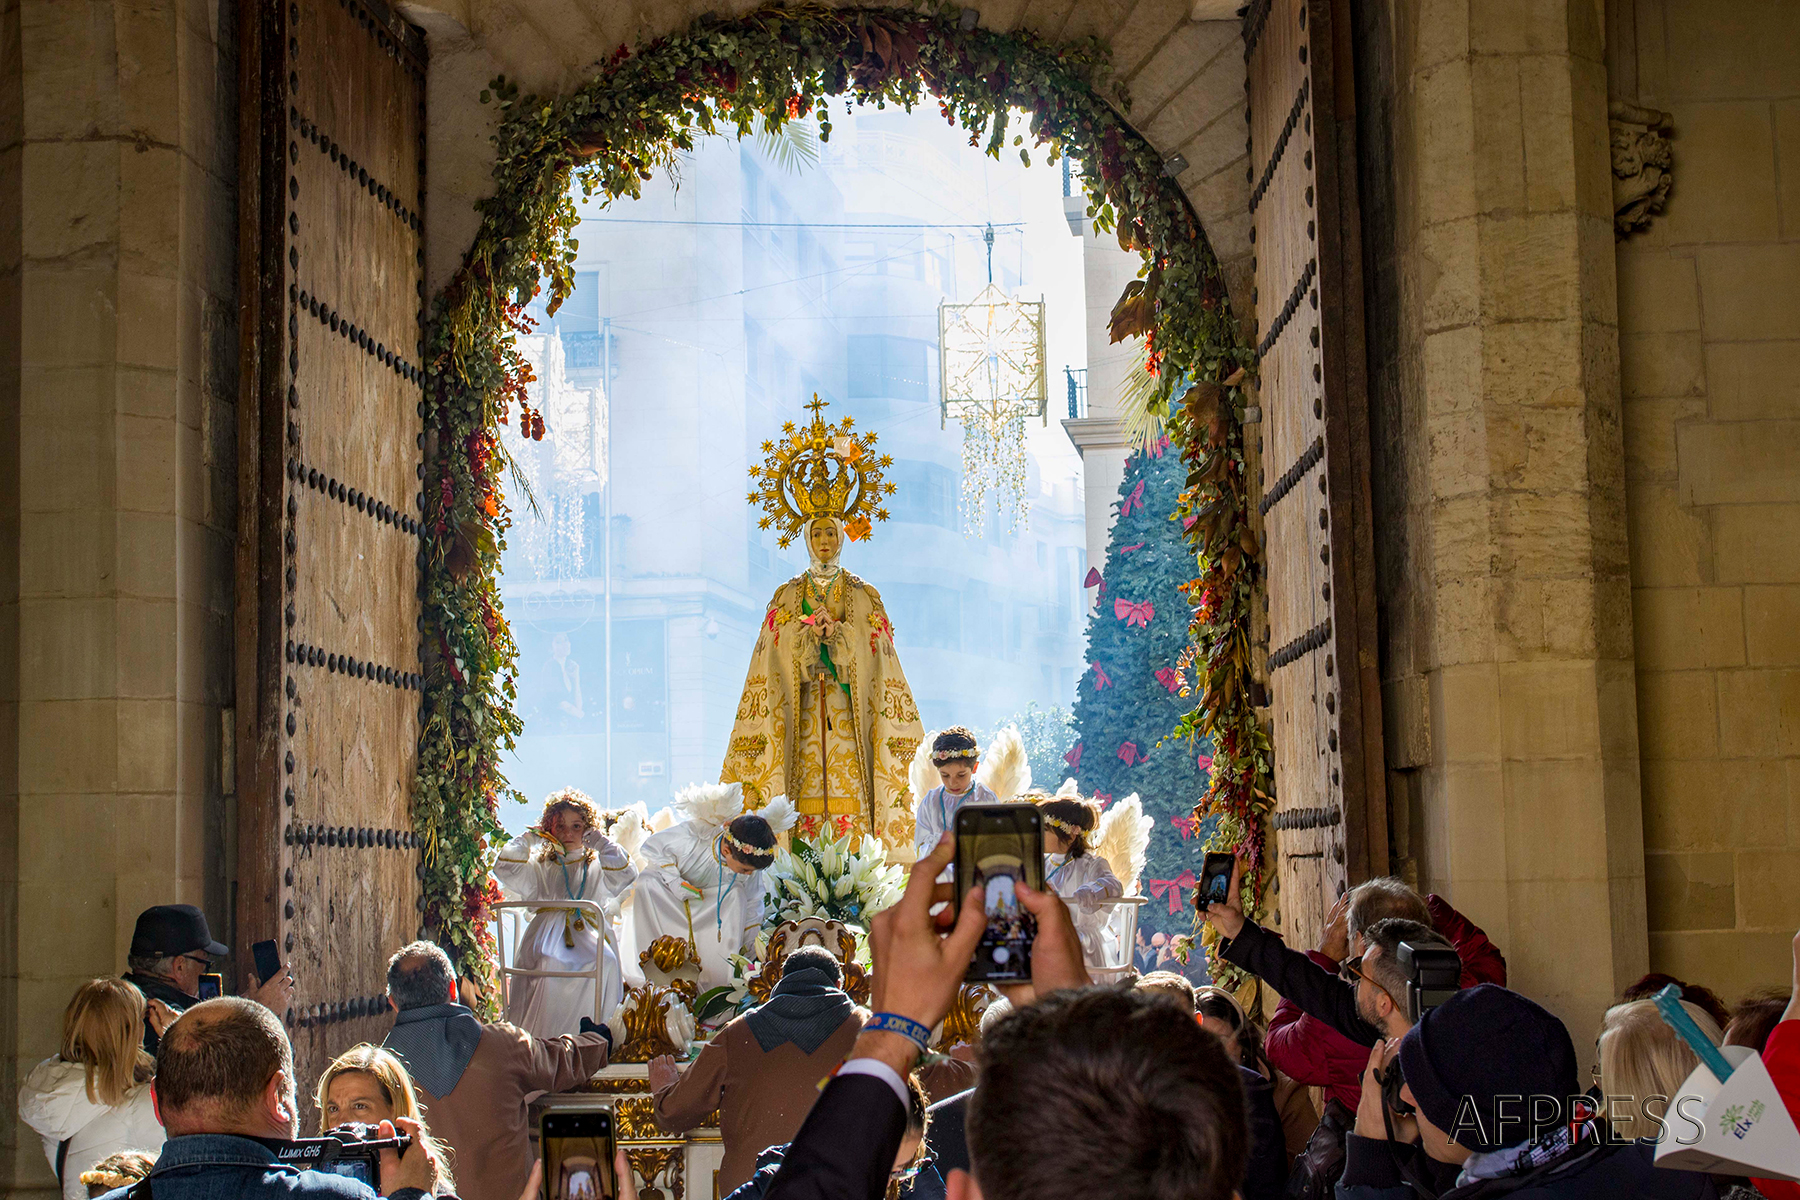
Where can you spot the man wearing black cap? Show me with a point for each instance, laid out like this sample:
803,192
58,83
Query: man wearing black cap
171,948
1492,1079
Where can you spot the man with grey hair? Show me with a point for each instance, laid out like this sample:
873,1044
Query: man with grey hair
477,1079
171,949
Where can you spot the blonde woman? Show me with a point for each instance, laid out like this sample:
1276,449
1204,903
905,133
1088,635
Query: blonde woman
92,1099
368,1085
565,856
1643,1063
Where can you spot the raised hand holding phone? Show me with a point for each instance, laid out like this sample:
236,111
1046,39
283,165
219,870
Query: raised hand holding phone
1226,916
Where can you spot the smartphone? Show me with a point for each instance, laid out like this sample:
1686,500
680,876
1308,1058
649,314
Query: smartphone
268,960
999,846
212,987
1215,878
578,1156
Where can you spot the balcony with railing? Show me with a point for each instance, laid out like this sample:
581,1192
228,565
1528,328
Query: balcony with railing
1076,379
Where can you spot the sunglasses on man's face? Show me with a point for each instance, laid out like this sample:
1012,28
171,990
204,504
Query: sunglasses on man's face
1350,970
203,960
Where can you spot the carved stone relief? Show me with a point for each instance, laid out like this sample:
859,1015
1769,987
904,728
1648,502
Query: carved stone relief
1641,164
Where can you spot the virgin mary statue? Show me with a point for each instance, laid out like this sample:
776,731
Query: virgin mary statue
826,715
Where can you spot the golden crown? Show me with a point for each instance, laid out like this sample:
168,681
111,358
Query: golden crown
823,470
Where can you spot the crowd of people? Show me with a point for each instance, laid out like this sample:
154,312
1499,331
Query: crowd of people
1450,1090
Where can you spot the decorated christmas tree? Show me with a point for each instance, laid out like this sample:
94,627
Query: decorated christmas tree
1130,697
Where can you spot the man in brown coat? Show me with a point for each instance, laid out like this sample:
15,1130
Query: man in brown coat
762,1071
474,1080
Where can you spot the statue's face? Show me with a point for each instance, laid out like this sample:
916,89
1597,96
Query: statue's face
825,540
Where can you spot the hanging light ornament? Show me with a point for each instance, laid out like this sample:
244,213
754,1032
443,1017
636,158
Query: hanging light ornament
991,378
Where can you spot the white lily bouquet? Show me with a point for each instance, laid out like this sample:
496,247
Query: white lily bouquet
833,880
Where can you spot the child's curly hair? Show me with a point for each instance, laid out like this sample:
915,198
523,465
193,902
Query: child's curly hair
569,799
956,744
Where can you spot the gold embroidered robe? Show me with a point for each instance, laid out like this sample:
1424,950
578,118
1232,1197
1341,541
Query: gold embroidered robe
853,771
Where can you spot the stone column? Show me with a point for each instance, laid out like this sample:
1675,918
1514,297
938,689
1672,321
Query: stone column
1507,637
119,341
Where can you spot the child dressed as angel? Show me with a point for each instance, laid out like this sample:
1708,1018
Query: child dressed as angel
1080,849
564,856
702,878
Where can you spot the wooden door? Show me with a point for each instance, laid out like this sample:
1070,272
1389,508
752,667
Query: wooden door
1331,817
331,437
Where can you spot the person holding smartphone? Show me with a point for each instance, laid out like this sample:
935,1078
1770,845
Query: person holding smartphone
171,960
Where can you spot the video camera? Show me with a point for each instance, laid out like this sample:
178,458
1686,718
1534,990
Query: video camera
1433,975
351,1149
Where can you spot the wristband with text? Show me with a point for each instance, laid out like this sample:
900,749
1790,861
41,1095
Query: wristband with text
906,1027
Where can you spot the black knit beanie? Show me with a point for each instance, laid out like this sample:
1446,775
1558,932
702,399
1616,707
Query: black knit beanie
1471,1055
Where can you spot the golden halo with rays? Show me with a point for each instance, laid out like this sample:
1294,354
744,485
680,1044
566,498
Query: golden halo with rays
823,470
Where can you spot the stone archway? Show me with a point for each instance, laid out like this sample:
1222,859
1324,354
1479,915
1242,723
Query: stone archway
1181,61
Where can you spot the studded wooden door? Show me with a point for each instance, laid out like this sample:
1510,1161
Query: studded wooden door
329,556
1331,819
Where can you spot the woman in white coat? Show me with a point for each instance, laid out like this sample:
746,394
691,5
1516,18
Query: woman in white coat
703,877
1071,868
92,1099
564,857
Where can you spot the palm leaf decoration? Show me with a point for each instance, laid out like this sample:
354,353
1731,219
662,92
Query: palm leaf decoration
794,147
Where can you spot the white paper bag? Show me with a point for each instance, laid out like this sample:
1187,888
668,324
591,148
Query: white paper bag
1740,1127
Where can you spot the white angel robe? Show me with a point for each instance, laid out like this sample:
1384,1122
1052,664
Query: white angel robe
685,885
552,1007
936,813
1082,882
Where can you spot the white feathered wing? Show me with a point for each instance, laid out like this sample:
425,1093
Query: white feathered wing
1123,839
632,829
1004,769
780,813
922,774
710,805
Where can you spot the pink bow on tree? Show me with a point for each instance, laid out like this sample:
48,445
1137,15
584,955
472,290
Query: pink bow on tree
1186,826
1138,612
1135,546
1093,580
1169,677
1203,761
1187,522
1101,679
1073,757
1175,889
1135,499
1128,754
1103,799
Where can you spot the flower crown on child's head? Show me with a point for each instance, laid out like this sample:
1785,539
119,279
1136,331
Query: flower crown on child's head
954,743
1065,828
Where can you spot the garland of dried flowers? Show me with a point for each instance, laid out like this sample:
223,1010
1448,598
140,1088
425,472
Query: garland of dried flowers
728,74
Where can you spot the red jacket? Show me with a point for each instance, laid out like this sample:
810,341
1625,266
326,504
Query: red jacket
1782,1057
1311,1052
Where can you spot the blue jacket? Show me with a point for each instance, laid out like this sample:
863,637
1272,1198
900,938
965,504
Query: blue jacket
220,1166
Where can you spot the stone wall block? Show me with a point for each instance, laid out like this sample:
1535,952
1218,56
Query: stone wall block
1438,32
70,467
1787,151
1732,963
1727,173
146,741
71,212
69,320
1499,136
1724,52
1542,536
147,642
1463,613
1202,57
1555,445
12,210
1551,160
65,554
149,71
1756,543
63,96
1518,26
1739,462
1530,267
1445,187
147,465
87,735
148,321
1759,713
1152,23
1464,715
150,209
147,555
1528,364
1691,891
1768,889
66,657
1650,427
1663,364
1210,148
1751,290
1750,381
1720,805
1688,628
1772,626
1549,711
1658,293
1448,287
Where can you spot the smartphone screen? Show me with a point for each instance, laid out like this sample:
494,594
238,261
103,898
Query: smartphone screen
578,1156
1215,879
999,846
268,960
212,987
